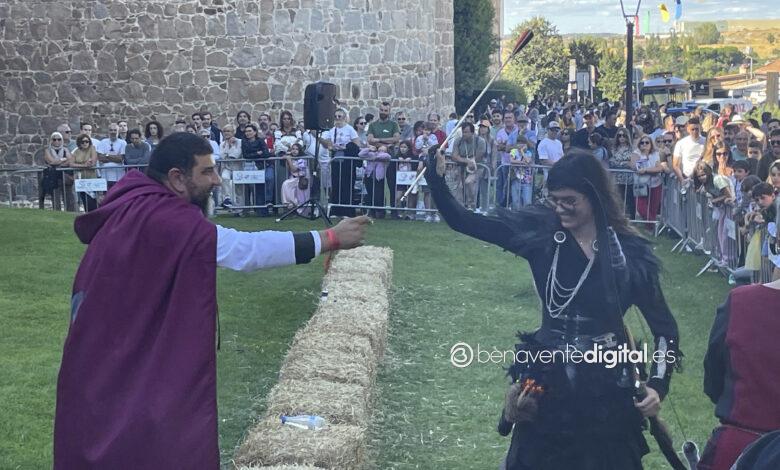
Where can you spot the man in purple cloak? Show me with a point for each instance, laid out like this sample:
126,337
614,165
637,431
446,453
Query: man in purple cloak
137,385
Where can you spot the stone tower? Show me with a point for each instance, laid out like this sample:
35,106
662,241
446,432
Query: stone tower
101,60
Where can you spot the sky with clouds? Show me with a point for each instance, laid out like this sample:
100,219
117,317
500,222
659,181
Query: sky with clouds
605,16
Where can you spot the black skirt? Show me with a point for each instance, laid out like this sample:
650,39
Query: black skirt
585,420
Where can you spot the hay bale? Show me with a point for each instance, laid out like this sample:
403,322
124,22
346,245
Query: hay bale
335,357
333,447
354,318
338,403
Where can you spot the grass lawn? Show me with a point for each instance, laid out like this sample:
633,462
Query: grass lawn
447,289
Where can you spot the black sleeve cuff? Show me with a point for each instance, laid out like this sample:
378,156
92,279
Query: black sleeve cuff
304,247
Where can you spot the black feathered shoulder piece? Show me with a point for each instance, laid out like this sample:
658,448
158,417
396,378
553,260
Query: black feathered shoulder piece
532,228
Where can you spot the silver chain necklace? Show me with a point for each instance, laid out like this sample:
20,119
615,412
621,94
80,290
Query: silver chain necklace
557,296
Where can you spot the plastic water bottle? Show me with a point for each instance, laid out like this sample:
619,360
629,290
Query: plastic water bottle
312,422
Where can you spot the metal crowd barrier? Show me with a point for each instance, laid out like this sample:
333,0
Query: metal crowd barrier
267,184
351,188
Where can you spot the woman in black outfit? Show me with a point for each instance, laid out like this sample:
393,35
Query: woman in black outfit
586,416
253,147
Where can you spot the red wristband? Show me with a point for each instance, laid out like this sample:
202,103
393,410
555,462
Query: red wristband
333,240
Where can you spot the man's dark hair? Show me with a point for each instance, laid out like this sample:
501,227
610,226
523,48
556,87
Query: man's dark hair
749,183
121,120
741,165
762,189
82,124
732,127
766,116
178,150
611,112
468,125
511,113
775,133
369,117
203,113
694,120
263,114
772,120
453,116
755,145
133,132
497,111
385,103
196,113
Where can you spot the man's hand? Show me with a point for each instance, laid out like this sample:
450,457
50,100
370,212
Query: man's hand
651,405
350,233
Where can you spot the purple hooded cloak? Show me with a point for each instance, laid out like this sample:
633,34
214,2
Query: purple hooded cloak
137,385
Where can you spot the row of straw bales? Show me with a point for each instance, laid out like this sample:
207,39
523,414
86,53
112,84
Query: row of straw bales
330,371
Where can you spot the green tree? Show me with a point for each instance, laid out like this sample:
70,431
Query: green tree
475,45
612,75
540,68
584,51
706,33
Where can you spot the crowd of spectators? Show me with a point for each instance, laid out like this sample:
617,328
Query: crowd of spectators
360,162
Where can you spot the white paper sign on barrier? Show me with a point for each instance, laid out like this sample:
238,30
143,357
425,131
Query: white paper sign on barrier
731,228
405,178
698,211
249,177
90,185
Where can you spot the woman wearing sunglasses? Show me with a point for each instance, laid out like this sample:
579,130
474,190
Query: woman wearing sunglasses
623,162
84,158
647,181
589,266
56,156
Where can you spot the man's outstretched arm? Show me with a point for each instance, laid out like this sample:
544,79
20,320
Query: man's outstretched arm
250,251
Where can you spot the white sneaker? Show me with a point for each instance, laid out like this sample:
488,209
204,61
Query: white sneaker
429,218
436,218
477,210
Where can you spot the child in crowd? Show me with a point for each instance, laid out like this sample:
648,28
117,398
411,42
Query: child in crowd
719,192
295,189
763,213
596,142
741,171
426,140
521,177
377,160
755,153
405,159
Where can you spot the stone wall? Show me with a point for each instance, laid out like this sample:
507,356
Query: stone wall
98,61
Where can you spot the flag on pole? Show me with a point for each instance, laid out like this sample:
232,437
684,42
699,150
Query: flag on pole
678,10
664,12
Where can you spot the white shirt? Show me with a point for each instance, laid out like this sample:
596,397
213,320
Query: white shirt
344,135
214,149
111,147
250,251
230,151
688,151
550,149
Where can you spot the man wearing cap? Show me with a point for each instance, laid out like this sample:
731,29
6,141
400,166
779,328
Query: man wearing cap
581,136
688,150
205,132
522,124
550,148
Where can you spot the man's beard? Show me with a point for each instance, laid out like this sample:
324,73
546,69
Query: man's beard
383,116
199,197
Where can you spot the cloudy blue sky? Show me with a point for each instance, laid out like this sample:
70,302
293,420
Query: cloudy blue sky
604,16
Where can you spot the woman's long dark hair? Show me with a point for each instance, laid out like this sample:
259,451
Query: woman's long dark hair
581,171
148,134
281,121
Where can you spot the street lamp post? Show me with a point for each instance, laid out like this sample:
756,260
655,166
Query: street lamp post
629,95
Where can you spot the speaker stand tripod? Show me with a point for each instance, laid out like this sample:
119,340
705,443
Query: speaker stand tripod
315,209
